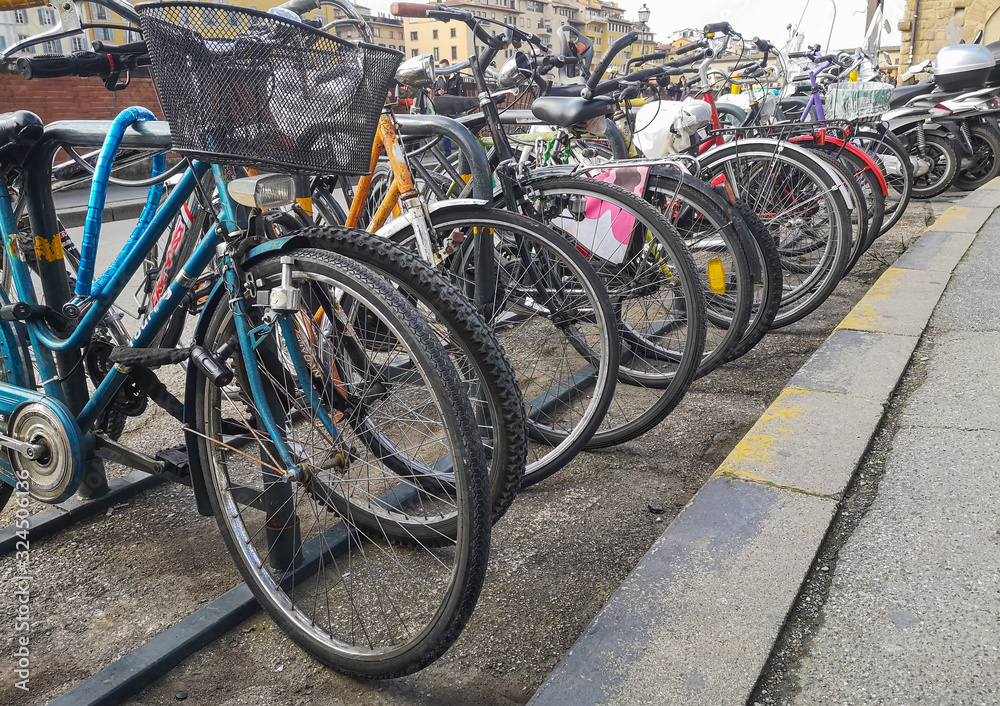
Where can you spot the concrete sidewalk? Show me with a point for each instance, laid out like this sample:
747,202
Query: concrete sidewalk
121,204
914,609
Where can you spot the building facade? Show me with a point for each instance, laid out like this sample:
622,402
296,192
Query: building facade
925,25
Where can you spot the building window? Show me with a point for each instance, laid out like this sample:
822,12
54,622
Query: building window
209,17
452,32
21,38
3,42
21,17
413,36
105,35
437,54
185,13
77,43
101,12
46,17
413,52
454,53
434,34
52,47
133,37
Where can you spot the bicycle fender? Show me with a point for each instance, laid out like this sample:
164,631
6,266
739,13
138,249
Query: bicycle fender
857,152
397,224
714,154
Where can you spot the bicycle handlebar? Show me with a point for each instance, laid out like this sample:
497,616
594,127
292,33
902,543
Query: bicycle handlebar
609,55
693,46
443,13
83,64
669,67
722,27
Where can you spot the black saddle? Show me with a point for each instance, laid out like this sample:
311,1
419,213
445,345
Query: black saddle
565,112
902,95
570,91
454,105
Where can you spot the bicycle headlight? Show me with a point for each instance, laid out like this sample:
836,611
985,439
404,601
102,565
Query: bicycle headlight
417,72
264,191
515,71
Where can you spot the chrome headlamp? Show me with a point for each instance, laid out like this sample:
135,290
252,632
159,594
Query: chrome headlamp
416,72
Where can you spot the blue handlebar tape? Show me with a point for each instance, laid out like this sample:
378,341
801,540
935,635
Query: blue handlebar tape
99,192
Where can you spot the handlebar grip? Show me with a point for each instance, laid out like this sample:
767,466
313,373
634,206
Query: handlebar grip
609,55
81,64
655,56
300,7
762,44
800,55
132,48
832,58
409,9
714,27
693,46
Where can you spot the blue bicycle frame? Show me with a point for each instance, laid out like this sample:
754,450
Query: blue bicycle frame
131,129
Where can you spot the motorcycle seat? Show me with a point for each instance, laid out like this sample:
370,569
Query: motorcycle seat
565,112
902,95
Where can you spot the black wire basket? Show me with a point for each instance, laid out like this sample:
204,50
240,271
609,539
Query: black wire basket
244,87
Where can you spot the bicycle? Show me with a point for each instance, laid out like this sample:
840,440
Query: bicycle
314,452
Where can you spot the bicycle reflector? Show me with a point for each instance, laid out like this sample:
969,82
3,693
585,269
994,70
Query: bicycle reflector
264,191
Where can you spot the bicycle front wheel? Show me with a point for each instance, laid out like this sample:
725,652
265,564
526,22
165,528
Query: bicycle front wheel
360,557
805,210
553,316
654,284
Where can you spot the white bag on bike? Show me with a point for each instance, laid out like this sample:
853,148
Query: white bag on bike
667,127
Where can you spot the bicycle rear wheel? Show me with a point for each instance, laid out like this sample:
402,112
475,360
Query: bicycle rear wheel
654,285
893,159
803,207
553,316
369,568
720,254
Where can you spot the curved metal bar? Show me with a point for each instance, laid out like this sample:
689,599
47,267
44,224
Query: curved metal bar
99,188
148,135
472,151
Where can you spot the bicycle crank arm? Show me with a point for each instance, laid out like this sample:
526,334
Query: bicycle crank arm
35,452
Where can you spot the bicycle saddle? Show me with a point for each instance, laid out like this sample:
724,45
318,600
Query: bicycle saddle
454,105
565,112
902,95
18,132
570,91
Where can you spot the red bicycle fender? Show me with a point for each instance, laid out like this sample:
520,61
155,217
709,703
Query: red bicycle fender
855,150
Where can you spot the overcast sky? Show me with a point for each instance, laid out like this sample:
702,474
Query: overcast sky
762,18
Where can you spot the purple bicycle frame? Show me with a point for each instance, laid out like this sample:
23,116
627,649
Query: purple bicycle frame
815,104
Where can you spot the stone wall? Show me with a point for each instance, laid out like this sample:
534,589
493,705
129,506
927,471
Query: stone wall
933,17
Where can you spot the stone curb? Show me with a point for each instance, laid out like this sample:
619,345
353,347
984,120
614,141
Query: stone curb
117,211
696,620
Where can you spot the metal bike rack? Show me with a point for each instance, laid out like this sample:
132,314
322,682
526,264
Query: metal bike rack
473,158
133,672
